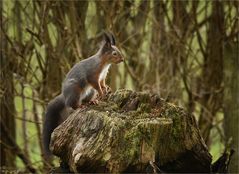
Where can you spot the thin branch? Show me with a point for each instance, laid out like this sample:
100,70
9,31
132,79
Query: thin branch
16,148
27,120
133,75
36,35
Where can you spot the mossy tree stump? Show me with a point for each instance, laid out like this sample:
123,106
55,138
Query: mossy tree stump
131,132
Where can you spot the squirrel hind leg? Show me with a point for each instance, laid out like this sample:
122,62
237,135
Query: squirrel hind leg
73,94
72,100
91,95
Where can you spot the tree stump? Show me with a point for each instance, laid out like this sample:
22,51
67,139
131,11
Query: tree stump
131,132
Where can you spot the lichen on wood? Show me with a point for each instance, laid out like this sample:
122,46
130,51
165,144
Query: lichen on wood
126,131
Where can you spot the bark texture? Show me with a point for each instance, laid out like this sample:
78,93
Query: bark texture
7,110
131,132
231,102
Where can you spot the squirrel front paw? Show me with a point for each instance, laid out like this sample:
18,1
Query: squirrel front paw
104,89
94,102
81,106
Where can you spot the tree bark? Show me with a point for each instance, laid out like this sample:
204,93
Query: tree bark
6,99
231,102
131,132
212,75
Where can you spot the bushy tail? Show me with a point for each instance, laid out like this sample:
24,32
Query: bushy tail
52,120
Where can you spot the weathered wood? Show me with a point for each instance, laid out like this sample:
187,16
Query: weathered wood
131,132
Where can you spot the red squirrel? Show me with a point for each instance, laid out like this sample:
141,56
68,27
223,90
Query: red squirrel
82,83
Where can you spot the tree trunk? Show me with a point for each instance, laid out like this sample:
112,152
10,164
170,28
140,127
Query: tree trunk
231,101
131,132
6,101
212,75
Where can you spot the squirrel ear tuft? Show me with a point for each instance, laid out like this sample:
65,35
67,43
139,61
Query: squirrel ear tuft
112,39
107,42
107,38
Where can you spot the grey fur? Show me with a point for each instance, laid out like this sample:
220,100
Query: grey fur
79,76
53,115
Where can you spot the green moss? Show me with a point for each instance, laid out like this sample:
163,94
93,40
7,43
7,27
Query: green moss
120,95
144,107
142,113
175,133
133,140
144,97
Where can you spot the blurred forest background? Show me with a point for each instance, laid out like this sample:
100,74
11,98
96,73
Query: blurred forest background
185,51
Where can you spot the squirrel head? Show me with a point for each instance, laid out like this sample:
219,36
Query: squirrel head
109,52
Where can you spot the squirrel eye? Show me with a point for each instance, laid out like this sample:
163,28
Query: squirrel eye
114,53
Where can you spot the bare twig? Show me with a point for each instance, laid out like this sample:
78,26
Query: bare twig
13,146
